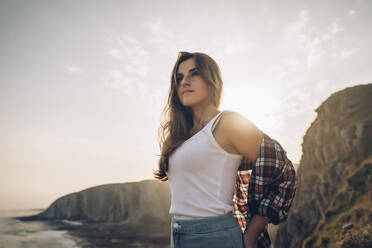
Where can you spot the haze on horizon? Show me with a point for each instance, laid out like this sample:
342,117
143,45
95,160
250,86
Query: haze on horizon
83,83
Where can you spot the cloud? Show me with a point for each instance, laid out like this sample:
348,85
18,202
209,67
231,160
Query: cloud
298,101
237,41
125,45
322,85
347,53
234,41
132,86
299,38
156,26
130,64
298,26
162,36
335,27
279,71
116,54
73,69
158,33
309,42
351,12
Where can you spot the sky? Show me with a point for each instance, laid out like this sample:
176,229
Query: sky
83,83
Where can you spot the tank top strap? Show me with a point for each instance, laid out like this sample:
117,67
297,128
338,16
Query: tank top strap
209,132
215,122
212,121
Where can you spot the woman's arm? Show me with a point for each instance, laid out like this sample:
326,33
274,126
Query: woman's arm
253,230
273,182
273,179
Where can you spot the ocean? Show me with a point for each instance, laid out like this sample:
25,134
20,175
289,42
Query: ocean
32,234
42,234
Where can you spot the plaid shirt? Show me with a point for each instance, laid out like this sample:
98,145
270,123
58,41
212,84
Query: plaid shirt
266,187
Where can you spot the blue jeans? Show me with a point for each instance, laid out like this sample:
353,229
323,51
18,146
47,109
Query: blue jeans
221,231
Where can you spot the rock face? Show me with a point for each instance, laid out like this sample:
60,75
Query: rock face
133,214
127,203
339,138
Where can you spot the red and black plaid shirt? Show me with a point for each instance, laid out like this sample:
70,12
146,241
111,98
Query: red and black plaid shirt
265,187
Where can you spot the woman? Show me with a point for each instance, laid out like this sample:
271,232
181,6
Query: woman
205,154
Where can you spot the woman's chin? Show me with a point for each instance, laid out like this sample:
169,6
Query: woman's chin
190,103
187,104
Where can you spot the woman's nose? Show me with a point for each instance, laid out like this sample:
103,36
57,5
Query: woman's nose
186,80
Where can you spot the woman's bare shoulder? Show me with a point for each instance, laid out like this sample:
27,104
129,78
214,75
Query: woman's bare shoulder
236,120
242,134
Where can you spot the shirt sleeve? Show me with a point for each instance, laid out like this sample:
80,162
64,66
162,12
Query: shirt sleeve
273,182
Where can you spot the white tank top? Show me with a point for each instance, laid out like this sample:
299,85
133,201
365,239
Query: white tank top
202,176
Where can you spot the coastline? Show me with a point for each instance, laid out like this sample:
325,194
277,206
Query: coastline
79,234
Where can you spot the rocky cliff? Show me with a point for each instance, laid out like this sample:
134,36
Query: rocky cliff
334,175
118,212
122,202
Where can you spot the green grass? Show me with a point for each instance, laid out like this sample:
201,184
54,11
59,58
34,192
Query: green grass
351,204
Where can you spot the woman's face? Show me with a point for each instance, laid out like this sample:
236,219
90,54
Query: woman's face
192,89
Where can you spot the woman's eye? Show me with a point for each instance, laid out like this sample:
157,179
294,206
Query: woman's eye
195,73
178,80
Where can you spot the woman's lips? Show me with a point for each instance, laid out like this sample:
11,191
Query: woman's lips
188,91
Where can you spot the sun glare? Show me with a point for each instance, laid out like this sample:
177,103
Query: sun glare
260,106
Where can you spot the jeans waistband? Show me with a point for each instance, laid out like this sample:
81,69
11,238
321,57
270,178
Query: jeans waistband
208,224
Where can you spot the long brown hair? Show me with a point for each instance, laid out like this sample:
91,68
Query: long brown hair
177,118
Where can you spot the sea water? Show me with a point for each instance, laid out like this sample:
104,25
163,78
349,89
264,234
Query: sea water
31,234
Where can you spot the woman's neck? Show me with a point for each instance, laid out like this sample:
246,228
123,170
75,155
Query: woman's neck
203,116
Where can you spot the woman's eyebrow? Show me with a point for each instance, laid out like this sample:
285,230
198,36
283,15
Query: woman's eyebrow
191,70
